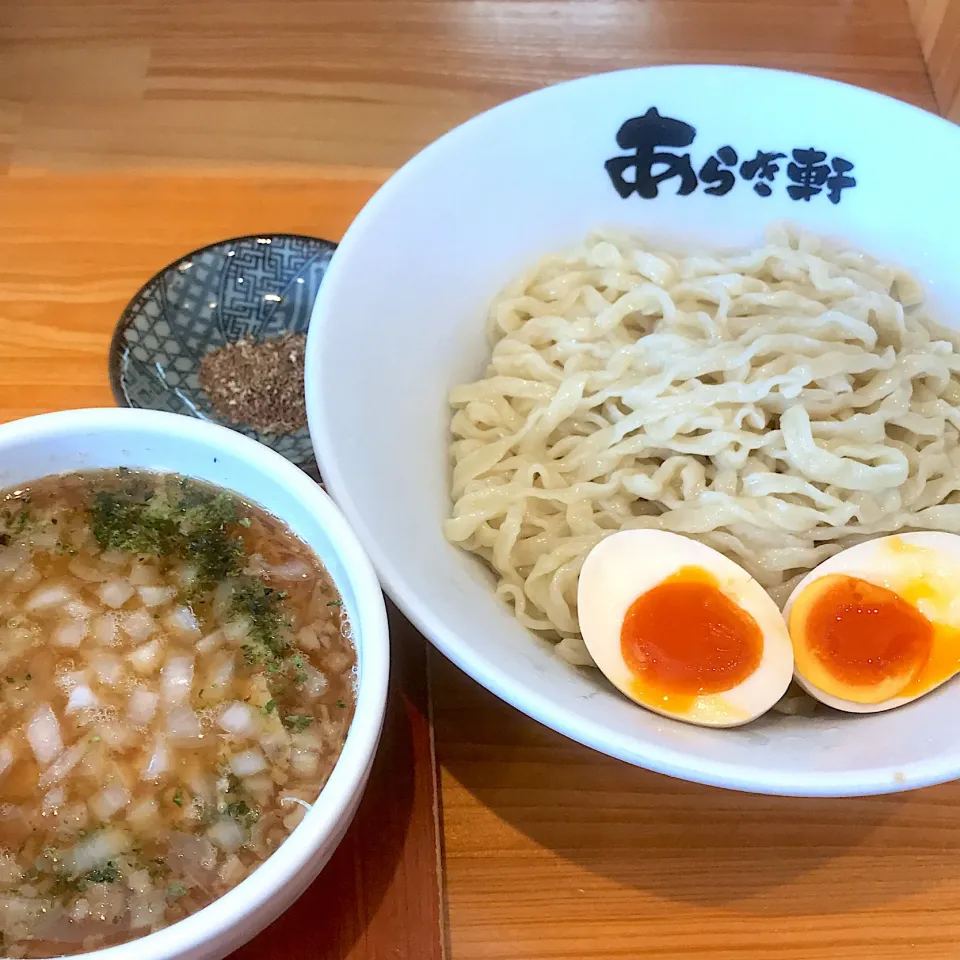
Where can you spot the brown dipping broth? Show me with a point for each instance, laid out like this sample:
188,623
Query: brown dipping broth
154,748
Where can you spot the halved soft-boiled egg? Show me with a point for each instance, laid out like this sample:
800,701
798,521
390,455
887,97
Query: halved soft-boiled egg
681,629
878,625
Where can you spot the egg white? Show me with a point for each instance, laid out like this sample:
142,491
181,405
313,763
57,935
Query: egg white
629,563
895,563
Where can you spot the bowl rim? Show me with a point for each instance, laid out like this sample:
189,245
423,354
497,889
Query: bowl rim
334,809
405,593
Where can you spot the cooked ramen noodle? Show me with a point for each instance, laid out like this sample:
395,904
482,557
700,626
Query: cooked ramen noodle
176,684
778,404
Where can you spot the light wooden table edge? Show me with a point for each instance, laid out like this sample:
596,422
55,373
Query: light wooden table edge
201,171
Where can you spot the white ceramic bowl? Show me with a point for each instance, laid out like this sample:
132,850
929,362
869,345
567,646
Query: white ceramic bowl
399,320
148,440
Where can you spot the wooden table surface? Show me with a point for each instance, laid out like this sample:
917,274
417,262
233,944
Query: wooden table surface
134,130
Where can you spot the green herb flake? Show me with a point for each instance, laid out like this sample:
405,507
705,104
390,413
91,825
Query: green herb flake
335,603
213,549
299,674
242,813
261,607
94,739
29,677
106,873
135,524
297,723
244,521
178,797
269,706
341,704
176,889
186,521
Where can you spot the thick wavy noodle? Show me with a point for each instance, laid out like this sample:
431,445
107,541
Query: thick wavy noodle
778,404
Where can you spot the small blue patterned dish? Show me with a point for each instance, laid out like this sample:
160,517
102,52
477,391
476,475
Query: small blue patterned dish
257,287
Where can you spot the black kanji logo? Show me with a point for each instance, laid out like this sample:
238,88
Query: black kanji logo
764,167
808,172
645,135
713,172
650,164
838,180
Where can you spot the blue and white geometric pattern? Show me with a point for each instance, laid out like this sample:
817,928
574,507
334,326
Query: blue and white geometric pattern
259,287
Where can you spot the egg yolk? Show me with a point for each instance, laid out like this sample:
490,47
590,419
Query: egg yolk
857,640
685,637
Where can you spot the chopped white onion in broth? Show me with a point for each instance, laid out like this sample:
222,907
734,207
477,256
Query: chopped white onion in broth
144,574
248,763
105,629
142,705
63,764
81,698
47,597
177,667
146,659
155,596
182,620
226,834
143,816
210,642
70,634
109,801
12,558
85,569
176,679
96,850
115,734
108,669
43,734
183,723
316,683
240,719
138,624
159,762
115,593
77,610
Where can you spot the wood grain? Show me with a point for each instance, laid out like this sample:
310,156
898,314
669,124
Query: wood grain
73,250
551,851
938,28
202,83
555,853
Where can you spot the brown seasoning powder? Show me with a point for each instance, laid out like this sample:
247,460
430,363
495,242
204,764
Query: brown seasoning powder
258,384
